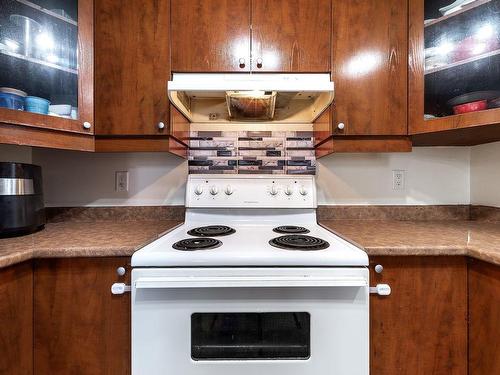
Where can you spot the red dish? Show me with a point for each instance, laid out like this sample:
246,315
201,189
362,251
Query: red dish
479,105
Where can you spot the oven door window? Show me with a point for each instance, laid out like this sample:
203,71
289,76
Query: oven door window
250,336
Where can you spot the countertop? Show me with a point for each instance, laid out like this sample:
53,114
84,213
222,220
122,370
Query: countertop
83,239
478,239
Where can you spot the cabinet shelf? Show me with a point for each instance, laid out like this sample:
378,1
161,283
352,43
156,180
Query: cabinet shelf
465,120
466,8
39,62
463,62
25,118
48,12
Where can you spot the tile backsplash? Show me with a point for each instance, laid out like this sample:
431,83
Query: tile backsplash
252,152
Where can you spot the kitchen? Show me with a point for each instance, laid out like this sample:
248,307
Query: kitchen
397,148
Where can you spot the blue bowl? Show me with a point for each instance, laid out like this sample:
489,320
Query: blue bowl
36,105
11,101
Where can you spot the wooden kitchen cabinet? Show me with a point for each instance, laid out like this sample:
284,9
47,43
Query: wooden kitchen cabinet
54,62
16,317
80,328
370,67
257,35
421,328
291,35
132,67
454,54
484,318
369,53
132,106
210,35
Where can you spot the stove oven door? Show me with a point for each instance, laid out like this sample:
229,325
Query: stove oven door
250,321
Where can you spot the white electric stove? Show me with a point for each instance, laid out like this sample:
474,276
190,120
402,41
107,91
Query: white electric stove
250,283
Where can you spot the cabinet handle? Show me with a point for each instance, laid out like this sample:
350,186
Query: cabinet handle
259,63
341,126
161,125
121,271
379,268
242,62
87,125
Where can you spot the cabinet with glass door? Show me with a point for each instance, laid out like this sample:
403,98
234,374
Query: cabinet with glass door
454,64
46,60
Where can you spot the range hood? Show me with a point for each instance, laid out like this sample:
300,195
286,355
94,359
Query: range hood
269,98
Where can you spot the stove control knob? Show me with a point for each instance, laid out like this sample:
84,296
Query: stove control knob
303,191
274,190
214,190
229,190
288,190
198,190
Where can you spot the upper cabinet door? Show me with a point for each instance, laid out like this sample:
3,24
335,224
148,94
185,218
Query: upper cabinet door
132,67
210,35
454,66
46,60
291,35
370,67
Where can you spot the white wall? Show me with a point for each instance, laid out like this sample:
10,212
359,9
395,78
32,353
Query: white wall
18,154
434,176
88,179
437,175
485,174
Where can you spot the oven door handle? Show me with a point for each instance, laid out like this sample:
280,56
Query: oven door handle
176,282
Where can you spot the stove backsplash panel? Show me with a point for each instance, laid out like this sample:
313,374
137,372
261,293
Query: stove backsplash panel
252,152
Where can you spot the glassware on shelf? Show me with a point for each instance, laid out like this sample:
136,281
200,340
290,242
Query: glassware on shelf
27,31
38,52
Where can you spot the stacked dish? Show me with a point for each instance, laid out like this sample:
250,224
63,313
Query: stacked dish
474,101
12,98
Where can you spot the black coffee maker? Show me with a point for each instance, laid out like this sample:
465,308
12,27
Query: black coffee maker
22,209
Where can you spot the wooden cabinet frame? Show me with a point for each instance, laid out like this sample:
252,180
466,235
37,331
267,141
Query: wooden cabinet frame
33,129
85,85
437,131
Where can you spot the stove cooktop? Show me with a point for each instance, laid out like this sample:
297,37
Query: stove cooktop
250,245
250,221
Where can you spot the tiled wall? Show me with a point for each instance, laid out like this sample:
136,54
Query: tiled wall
247,152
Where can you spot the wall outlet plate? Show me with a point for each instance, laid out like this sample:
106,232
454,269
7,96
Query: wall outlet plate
398,179
121,181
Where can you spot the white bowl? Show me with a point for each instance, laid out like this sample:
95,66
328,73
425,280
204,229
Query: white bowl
61,109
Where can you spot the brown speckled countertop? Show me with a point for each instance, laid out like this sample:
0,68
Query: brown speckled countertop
480,240
83,239
392,230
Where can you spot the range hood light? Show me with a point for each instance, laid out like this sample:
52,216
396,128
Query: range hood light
251,105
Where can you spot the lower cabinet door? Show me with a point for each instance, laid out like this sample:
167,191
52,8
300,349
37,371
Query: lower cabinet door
421,328
16,319
484,318
80,328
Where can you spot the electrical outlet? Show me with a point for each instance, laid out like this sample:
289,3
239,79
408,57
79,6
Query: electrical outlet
398,179
121,181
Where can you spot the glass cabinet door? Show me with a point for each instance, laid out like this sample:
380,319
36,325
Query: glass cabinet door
462,56
39,56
